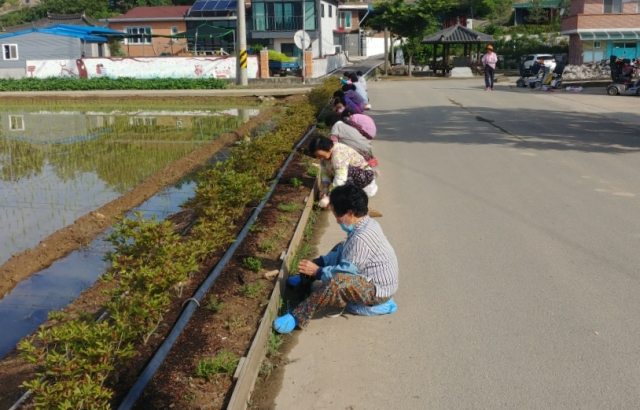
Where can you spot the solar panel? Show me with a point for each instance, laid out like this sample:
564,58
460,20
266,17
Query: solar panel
222,5
199,5
233,5
210,6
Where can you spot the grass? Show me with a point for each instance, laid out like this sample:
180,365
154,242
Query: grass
283,218
268,245
253,264
252,290
224,362
290,207
213,304
274,343
302,252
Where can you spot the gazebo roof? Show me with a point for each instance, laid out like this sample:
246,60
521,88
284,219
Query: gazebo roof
457,34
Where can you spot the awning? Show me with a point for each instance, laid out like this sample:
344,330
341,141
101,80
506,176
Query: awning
545,4
610,34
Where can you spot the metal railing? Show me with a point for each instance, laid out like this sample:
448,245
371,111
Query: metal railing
279,23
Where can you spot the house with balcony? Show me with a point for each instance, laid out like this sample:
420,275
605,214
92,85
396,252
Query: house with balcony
348,33
275,22
150,29
598,29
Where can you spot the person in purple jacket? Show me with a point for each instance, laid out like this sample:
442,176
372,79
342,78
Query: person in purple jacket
351,93
339,97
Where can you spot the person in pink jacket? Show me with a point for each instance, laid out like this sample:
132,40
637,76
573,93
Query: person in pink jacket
361,122
489,61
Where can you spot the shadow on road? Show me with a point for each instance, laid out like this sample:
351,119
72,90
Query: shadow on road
527,129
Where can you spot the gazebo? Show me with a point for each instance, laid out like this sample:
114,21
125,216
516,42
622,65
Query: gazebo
457,34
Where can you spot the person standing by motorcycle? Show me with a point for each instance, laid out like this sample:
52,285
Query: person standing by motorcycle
489,61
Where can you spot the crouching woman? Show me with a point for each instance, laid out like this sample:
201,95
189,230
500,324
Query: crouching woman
361,274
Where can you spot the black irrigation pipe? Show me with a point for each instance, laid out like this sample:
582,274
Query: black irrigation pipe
162,352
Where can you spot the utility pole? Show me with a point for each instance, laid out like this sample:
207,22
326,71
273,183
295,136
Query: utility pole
386,51
241,51
304,31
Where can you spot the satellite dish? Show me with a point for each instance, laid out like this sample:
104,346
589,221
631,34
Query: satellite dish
299,36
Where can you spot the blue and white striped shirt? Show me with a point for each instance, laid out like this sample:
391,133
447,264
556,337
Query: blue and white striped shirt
369,250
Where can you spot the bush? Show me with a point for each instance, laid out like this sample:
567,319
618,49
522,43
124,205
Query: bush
106,83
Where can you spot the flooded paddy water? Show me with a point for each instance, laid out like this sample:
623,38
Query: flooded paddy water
56,166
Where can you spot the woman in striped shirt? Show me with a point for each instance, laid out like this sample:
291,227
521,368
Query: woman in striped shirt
360,275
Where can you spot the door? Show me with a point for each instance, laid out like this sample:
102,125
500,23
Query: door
625,50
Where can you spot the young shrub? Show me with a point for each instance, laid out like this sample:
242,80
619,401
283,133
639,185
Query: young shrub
253,264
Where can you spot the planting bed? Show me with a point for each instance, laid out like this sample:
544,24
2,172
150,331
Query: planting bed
154,273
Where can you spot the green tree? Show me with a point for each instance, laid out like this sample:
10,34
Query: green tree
411,21
537,14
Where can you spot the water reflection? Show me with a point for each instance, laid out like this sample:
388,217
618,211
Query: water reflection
58,166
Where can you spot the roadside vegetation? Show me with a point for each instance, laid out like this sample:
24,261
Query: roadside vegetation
150,264
106,83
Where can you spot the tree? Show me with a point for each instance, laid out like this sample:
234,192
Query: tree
410,21
537,14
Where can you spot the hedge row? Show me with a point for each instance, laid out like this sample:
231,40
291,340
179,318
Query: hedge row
151,263
106,83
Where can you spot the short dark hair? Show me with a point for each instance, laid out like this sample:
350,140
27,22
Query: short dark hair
359,73
331,119
345,113
353,77
339,94
347,198
348,87
339,100
320,143
346,74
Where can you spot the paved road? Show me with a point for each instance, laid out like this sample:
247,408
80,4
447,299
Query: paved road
515,216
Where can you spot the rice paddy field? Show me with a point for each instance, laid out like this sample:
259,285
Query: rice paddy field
59,162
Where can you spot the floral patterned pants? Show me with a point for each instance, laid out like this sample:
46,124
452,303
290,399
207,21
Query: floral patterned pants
340,290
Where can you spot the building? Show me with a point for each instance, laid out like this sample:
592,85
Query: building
348,35
150,30
522,8
275,22
60,42
598,29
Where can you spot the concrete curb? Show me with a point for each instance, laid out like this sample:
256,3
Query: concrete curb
248,374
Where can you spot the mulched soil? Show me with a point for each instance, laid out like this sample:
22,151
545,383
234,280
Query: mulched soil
233,328
87,227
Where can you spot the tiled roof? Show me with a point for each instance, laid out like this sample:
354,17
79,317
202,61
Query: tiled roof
53,19
457,34
163,12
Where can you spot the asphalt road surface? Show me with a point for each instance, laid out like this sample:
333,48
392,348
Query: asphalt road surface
515,215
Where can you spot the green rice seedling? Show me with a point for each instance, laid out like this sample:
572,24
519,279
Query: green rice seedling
213,304
295,182
232,324
223,362
268,245
252,290
282,218
253,264
290,207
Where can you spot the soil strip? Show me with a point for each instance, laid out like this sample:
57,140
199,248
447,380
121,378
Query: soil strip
87,227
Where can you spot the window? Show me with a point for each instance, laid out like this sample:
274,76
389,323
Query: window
142,35
16,123
345,19
597,44
330,11
10,51
174,30
143,121
613,6
322,11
